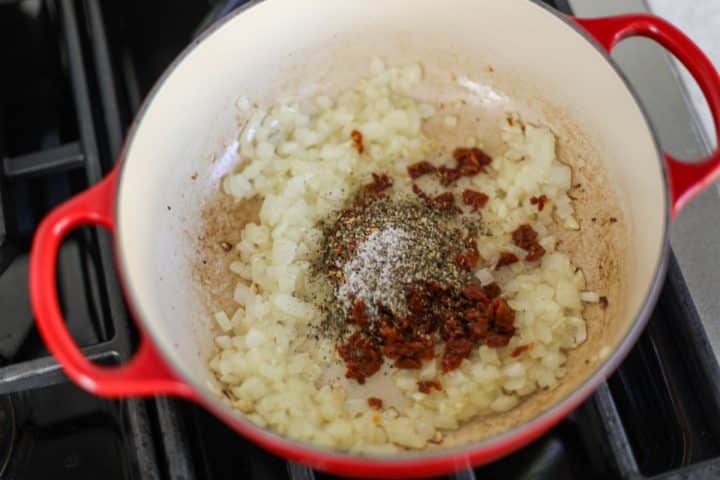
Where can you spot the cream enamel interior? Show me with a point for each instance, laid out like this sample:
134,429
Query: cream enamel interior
295,48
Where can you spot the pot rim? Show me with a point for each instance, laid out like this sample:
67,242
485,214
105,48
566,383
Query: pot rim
458,456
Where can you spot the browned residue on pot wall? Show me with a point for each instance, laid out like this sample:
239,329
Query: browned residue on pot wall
223,220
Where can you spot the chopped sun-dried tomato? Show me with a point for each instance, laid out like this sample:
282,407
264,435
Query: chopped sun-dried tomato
426,386
357,139
471,161
497,340
435,288
535,252
419,308
539,201
479,323
474,291
521,349
375,403
501,316
492,290
451,327
445,200
476,200
506,258
467,259
456,350
407,348
497,327
524,236
359,314
493,325
468,162
362,357
408,363
379,184
419,169
417,302
418,191
448,176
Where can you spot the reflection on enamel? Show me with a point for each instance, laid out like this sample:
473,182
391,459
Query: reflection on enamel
227,160
483,94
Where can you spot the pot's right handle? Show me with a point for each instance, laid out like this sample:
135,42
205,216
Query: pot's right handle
686,179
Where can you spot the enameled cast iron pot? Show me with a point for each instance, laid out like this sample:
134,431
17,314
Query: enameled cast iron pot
275,44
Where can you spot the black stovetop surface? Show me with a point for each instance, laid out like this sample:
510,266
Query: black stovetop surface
73,74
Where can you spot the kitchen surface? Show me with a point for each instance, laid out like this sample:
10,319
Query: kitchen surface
699,19
695,231
75,73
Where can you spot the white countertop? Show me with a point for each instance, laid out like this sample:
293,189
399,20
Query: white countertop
700,20
676,114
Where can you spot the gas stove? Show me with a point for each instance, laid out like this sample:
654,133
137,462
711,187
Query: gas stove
75,72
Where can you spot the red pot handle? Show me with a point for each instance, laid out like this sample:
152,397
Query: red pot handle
146,372
686,179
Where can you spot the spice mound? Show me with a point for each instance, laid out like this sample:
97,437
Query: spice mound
398,274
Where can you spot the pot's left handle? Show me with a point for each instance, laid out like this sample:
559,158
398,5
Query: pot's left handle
686,179
146,372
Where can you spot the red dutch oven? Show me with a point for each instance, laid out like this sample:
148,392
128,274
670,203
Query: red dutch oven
171,158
